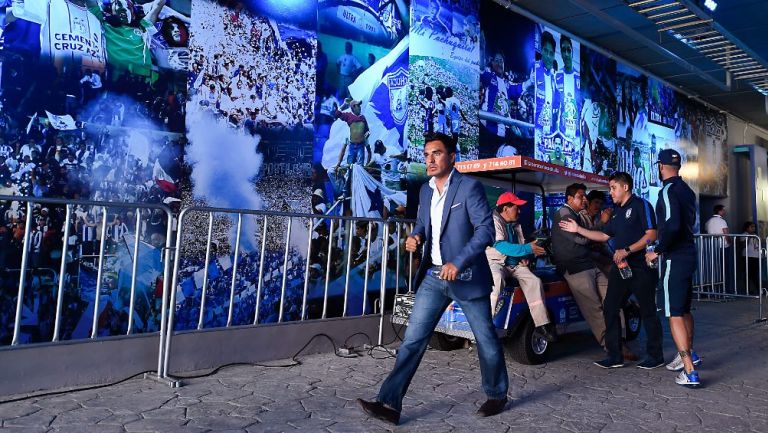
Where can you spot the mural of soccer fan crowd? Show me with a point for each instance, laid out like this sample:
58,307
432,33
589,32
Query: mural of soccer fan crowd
264,86
84,117
441,102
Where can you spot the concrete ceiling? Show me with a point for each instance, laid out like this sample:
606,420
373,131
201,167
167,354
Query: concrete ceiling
616,27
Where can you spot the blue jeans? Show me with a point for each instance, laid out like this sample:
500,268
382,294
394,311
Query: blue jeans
431,301
356,154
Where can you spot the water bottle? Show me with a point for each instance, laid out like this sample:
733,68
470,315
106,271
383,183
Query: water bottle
650,248
624,270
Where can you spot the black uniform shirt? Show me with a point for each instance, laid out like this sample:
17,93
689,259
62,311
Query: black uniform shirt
629,223
676,210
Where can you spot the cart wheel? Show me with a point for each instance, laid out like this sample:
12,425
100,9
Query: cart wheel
445,342
632,320
527,346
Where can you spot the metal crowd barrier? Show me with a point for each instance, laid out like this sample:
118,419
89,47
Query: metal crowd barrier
324,264
728,269
69,205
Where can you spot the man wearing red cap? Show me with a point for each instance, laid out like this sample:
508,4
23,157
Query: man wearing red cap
508,257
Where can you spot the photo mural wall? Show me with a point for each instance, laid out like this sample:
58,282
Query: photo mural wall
314,107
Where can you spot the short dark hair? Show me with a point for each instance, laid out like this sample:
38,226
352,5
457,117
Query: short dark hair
746,225
547,37
718,208
596,195
565,39
447,140
622,177
574,188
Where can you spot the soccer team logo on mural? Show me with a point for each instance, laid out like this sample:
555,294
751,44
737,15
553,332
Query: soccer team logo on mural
397,82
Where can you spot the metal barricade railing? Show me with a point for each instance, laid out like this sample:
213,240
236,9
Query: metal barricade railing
322,263
729,267
71,206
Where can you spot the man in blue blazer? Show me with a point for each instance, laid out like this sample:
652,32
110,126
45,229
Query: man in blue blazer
454,225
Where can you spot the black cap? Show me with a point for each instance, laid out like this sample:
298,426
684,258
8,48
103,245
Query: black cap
670,157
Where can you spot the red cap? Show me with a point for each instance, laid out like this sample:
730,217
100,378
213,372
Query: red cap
509,197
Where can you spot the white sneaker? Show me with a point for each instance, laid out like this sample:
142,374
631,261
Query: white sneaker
677,363
688,379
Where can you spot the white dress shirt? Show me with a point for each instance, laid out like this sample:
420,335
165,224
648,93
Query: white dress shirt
436,217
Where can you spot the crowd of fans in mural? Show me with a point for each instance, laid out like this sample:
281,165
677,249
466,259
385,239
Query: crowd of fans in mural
267,85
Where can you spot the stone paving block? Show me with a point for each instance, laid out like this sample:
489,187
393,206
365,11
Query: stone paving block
217,423
15,410
270,428
89,428
57,404
120,419
184,429
86,415
138,402
209,408
39,418
248,411
282,416
155,424
311,424
225,394
171,412
357,427
24,429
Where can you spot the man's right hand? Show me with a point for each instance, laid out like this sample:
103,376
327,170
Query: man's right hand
537,250
412,243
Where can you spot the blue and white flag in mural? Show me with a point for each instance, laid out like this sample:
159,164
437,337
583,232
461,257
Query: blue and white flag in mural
383,88
369,196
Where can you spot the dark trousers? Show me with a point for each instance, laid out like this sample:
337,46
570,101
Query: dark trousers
643,286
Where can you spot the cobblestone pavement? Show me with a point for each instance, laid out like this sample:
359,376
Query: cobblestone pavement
568,394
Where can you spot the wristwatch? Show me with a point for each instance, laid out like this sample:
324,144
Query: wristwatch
629,251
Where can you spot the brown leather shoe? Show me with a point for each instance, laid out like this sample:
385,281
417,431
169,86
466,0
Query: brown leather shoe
379,411
492,407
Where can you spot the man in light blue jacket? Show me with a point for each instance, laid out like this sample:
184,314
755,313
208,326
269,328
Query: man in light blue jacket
510,256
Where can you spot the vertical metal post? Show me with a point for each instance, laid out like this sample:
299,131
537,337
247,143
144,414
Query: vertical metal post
760,279
397,257
169,290
367,265
285,269
23,276
733,265
206,264
712,264
306,270
725,276
410,268
328,271
261,269
234,270
383,286
351,229
134,270
62,274
99,273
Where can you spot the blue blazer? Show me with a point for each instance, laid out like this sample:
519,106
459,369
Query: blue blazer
467,229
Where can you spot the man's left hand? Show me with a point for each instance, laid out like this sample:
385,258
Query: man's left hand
449,272
619,255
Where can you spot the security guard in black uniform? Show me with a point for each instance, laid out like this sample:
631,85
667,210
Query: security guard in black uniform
676,251
632,226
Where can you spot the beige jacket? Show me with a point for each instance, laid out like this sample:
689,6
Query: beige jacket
500,226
